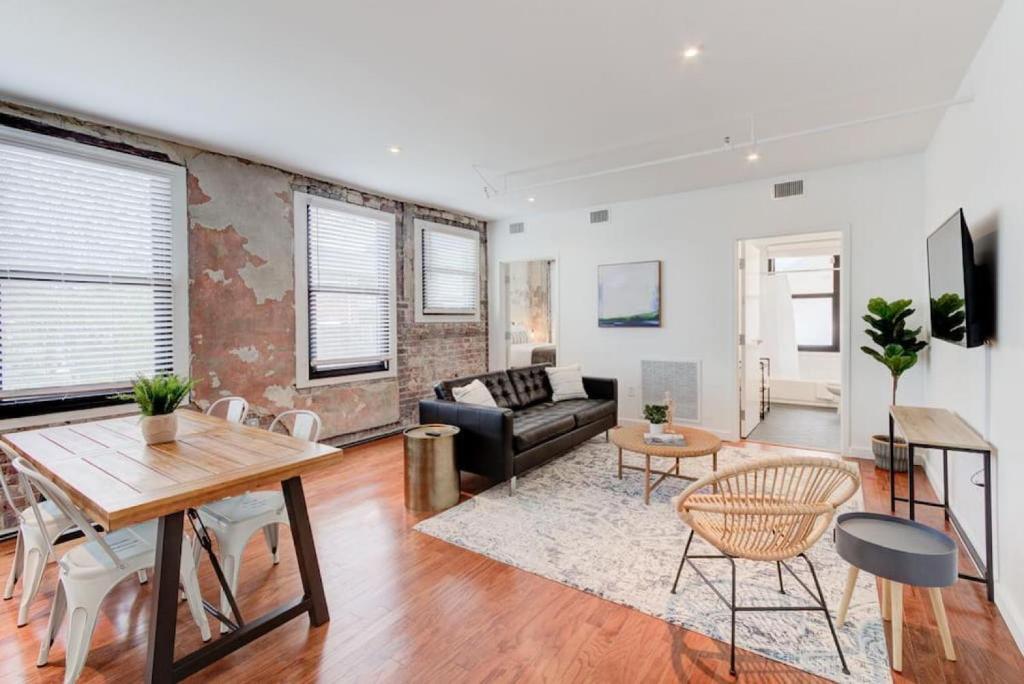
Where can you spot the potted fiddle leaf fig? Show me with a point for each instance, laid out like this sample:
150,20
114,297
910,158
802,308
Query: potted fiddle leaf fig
657,416
897,351
158,397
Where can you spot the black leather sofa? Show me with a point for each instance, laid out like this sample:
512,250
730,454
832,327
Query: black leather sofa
526,429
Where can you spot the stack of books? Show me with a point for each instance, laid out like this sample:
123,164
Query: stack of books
664,439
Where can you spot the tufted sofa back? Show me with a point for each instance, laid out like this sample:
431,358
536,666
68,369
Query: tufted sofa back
531,384
498,384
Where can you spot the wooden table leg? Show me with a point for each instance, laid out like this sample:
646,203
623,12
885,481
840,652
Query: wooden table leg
844,605
897,626
164,619
647,479
935,594
305,551
886,599
620,463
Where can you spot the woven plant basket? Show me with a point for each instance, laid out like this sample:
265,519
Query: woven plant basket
880,447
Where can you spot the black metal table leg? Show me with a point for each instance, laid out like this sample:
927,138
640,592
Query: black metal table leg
305,551
989,583
892,464
910,477
945,484
163,622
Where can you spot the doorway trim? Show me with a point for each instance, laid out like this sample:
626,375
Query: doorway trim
846,262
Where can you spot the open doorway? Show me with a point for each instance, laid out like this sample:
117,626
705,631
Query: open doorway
790,355
529,311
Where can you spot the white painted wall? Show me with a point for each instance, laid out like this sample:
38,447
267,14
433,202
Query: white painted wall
878,204
976,160
823,366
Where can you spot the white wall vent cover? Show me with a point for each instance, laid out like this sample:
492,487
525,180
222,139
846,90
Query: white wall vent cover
681,378
514,228
599,216
788,189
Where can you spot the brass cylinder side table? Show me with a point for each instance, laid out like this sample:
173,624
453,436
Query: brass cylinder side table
431,475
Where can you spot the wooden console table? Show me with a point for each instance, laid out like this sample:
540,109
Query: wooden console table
930,428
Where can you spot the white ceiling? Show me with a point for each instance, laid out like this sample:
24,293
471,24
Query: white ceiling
574,86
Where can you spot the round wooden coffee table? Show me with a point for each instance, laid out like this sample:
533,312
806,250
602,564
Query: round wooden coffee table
698,443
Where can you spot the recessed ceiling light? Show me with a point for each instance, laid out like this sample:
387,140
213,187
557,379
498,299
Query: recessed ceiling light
753,156
531,199
692,52
395,149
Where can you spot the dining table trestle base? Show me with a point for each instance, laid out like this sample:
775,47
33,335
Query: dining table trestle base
161,666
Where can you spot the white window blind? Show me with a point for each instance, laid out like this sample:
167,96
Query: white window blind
350,261
86,284
450,270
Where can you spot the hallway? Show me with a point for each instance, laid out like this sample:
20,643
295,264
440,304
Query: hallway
803,426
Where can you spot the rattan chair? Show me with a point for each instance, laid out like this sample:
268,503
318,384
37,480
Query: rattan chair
767,510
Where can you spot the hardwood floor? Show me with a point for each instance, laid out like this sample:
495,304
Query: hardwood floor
405,606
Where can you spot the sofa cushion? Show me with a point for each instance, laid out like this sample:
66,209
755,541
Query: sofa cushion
531,383
497,383
532,427
588,411
475,393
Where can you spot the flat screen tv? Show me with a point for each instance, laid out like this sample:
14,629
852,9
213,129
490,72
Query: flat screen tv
957,288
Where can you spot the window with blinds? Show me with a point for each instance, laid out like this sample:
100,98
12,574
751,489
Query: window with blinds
449,272
87,272
350,290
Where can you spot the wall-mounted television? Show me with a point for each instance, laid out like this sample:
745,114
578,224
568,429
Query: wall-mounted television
957,287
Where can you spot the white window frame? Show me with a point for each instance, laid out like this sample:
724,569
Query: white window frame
179,250
302,200
419,225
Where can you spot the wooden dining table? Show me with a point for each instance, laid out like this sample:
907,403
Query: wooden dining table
106,468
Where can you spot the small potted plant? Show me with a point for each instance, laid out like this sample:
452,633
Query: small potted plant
157,398
897,351
657,416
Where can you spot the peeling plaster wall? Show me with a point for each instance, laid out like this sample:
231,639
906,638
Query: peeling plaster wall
241,271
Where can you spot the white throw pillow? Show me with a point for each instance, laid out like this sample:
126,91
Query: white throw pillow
566,382
475,393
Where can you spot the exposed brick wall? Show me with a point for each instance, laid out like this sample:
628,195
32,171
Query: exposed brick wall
241,272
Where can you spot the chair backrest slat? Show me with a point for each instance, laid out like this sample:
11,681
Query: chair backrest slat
299,423
234,409
8,496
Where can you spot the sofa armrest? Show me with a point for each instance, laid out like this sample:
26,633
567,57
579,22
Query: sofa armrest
602,388
484,443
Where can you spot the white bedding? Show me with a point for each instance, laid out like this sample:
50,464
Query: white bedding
522,354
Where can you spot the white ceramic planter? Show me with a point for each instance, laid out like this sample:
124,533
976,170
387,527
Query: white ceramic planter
657,428
159,429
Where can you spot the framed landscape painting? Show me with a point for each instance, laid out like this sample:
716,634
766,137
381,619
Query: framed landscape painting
629,295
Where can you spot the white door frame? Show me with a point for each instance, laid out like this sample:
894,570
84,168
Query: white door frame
503,307
845,265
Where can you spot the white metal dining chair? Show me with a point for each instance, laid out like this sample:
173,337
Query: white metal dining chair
90,570
234,520
32,548
233,409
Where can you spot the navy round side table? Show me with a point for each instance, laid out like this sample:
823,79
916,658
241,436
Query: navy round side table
898,552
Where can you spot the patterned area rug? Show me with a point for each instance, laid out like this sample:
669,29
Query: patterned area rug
573,521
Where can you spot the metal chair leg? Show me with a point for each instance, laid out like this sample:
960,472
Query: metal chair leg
682,562
512,486
732,631
828,617
778,566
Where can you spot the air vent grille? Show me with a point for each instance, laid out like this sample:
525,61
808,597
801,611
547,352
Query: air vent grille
788,189
518,227
599,216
